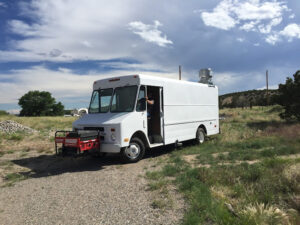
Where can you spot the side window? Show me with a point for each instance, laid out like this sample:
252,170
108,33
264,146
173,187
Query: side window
141,103
94,105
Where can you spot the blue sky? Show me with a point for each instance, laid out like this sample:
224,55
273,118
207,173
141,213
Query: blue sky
62,46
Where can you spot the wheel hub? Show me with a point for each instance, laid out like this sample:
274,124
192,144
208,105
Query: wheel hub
132,151
201,137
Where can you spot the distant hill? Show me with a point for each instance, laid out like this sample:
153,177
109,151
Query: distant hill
247,98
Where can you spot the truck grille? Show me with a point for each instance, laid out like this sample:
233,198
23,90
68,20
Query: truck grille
94,128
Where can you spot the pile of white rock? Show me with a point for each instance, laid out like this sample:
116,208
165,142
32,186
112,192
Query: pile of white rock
10,126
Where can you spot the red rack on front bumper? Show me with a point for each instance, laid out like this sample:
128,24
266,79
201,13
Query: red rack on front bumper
75,143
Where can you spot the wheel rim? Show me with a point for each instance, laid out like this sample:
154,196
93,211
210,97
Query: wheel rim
132,151
201,137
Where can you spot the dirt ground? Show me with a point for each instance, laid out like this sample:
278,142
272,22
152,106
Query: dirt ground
84,191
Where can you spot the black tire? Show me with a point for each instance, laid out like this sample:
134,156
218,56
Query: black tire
200,136
134,152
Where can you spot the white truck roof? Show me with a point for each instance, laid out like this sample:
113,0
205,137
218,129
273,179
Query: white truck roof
138,79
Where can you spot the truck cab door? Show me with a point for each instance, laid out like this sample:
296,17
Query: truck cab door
141,107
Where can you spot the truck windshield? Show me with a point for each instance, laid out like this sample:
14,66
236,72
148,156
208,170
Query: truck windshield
124,99
100,101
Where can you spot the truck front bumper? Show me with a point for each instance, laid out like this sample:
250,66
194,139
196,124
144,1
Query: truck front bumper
110,148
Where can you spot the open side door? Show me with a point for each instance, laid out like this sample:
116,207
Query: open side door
155,115
162,125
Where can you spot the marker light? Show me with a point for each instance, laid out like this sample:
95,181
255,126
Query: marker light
115,79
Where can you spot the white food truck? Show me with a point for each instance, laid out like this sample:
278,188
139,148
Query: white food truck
137,112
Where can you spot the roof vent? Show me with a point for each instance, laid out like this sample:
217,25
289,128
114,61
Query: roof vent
205,76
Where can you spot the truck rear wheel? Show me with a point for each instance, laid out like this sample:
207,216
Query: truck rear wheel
200,136
134,152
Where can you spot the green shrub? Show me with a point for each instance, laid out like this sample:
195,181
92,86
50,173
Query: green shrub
12,178
40,103
289,97
16,137
155,175
3,113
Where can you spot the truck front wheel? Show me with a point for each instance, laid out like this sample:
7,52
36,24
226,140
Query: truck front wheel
134,152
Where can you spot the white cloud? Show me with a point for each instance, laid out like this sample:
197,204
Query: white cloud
132,66
249,15
266,29
220,17
92,30
240,39
292,16
257,10
22,28
150,33
251,26
291,31
272,39
29,56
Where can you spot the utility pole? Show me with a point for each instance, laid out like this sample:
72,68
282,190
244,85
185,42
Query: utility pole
267,86
179,72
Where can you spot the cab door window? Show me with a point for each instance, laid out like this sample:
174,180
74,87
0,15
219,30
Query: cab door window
141,101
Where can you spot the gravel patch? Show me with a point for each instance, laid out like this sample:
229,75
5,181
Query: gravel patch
10,126
100,193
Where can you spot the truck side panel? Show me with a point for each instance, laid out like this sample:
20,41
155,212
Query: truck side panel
186,107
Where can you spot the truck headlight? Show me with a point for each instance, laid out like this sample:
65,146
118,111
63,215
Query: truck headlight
113,137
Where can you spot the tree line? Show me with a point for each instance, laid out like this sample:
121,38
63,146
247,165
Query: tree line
287,95
246,99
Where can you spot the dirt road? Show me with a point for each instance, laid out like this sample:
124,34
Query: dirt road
84,191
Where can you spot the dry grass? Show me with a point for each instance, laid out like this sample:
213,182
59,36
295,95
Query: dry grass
260,213
22,145
288,131
222,192
257,114
242,124
292,174
43,123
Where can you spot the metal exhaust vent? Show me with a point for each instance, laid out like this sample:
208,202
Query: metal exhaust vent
205,76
